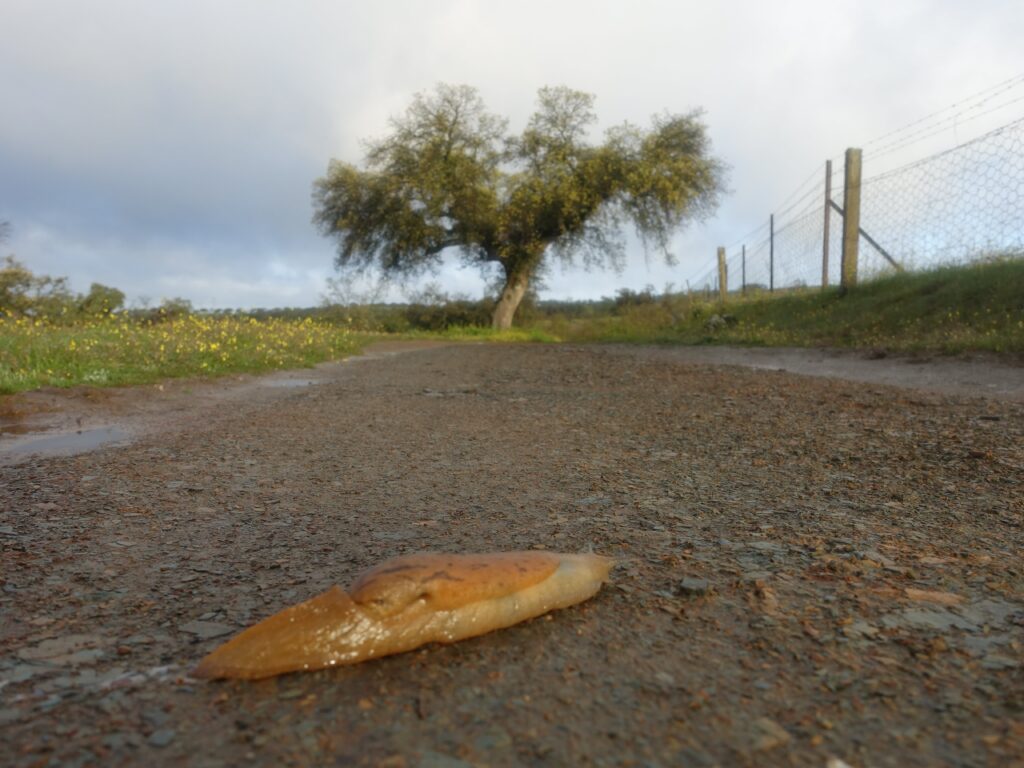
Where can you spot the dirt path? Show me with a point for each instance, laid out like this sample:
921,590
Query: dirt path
811,569
981,375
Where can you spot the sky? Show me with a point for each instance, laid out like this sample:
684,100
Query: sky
169,149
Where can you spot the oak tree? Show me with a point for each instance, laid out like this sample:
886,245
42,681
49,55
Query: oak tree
449,176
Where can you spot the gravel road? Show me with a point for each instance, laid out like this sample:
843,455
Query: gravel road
812,571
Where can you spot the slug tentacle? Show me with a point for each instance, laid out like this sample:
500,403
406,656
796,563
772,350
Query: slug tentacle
404,603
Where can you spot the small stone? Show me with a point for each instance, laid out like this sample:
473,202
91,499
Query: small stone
206,630
767,546
138,640
982,645
874,556
493,741
10,715
665,679
162,738
22,672
114,741
997,661
693,586
767,734
70,649
155,717
922,618
990,612
929,596
860,629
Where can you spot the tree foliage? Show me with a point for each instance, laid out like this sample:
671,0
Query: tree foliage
448,175
22,292
101,300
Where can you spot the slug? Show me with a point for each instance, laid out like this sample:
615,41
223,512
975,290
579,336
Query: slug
404,603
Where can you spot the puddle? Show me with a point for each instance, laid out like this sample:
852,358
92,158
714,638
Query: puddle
65,444
289,383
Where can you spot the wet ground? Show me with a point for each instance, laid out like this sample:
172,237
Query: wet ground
813,571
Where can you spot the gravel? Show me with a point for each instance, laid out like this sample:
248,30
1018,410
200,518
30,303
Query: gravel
863,543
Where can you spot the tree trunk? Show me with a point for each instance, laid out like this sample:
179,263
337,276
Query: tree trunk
513,292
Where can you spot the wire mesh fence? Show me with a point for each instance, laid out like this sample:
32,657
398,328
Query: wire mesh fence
956,206
952,207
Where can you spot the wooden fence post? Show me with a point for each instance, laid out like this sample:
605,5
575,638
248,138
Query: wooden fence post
828,219
851,216
723,275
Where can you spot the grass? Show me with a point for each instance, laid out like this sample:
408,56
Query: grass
947,310
480,333
119,351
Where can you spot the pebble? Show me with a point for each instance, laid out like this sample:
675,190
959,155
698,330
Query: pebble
665,679
767,734
859,629
997,661
162,738
155,717
206,630
918,618
60,650
10,715
693,586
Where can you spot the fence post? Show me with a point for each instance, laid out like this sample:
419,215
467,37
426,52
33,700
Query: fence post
851,216
771,253
723,275
743,263
828,219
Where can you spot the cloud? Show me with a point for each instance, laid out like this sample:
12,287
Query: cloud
172,146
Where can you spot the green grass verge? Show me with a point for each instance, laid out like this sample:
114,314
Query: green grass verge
115,351
948,310
480,333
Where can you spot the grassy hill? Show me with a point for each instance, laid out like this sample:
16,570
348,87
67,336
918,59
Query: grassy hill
948,310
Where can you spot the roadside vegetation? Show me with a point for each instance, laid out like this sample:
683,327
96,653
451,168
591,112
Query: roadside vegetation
52,337
949,310
118,350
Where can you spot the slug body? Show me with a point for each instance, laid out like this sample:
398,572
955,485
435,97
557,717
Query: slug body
407,602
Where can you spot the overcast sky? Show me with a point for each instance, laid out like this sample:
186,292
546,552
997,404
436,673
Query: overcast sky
169,148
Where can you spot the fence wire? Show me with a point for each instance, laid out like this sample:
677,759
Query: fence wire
957,206
953,207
